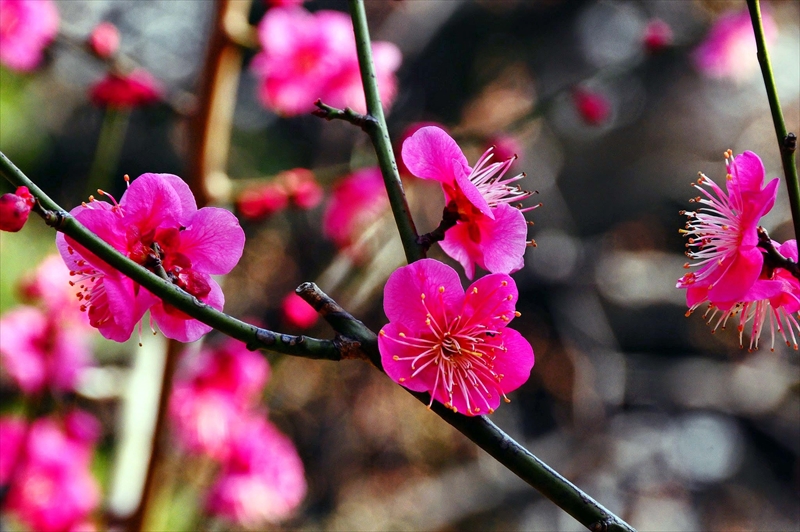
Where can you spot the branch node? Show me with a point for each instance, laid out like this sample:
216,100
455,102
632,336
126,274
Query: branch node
349,349
365,122
790,143
266,337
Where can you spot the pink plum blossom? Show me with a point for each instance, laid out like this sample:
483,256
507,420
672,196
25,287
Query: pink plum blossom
15,208
259,202
593,107
657,35
722,233
155,222
729,49
262,480
131,90
104,40
490,232
307,56
775,295
214,391
357,201
12,437
26,28
52,488
297,312
455,346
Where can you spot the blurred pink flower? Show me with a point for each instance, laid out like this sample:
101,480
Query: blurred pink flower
49,286
453,345
156,220
213,392
130,90
104,40
259,202
298,313
283,3
489,232
52,489
657,35
15,208
357,201
729,49
12,435
308,56
302,187
593,107
40,350
723,237
26,28
262,480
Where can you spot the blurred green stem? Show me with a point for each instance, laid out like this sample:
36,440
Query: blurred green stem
254,337
109,147
379,134
787,142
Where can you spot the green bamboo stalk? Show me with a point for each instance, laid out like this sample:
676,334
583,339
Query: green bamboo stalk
787,142
254,337
379,134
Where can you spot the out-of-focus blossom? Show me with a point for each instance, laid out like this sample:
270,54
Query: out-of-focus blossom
723,236
259,202
262,480
284,3
40,350
12,435
104,40
490,232
593,107
212,395
26,28
15,208
52,489
357,201
130,90
49,286
657,35
298,313
729,49
302,188
308,56
455,346
156,221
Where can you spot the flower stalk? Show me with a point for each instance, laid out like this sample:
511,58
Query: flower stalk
787,142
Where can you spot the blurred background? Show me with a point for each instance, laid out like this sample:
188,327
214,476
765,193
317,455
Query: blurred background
611,115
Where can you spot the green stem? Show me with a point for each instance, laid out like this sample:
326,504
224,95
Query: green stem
379,134
786,141
254,337
109,147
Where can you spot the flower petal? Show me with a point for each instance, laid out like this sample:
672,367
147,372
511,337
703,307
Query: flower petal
430,153
490,301
402,295
504,240
748,172
390,347
516,363
150,202
188,203
736,280
178,326
213,241
470,191
123,310
459,244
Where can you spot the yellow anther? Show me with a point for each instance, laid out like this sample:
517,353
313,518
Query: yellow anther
441,289
504,283
517,313
510,297
422,296
395,358
402,335
382,333
475,290
401,379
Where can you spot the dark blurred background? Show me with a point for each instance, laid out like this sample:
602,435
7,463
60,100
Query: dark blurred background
667,425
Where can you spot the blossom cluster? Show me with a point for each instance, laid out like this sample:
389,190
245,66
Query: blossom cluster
156,224
214,413
732,270
309,56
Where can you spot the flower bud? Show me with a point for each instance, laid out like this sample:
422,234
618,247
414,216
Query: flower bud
14,209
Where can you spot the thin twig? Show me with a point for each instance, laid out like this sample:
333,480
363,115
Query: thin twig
787,142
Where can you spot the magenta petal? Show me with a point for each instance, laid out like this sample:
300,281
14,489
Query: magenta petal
477,399
389,348
491,301
213,241
516,363
22,330
188,203
747,172
738,278
178,326
151,202
123,310
504,240
789,249
430,152
696,295
402,295
459,245
470,191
